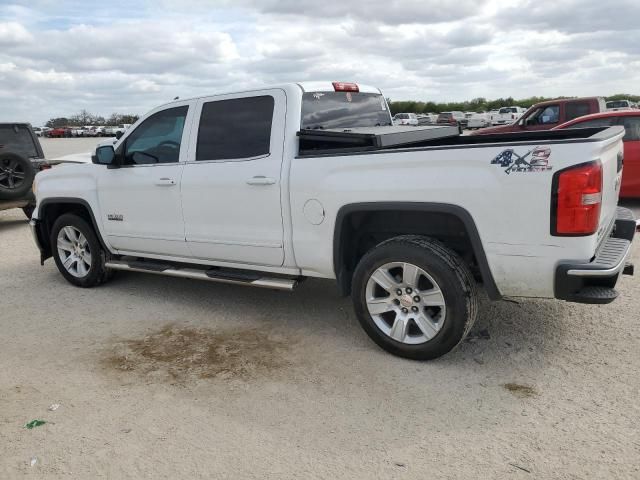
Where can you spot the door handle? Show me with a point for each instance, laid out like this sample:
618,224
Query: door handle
261,180
165,182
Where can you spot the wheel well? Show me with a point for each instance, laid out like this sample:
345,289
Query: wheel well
50,212
359,230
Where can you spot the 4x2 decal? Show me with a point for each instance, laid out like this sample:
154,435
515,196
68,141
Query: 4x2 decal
512,162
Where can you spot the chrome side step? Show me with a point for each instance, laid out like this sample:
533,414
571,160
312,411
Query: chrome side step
252,279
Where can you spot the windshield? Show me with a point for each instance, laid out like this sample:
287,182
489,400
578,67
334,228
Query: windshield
344,109
445,115
507,110
17,139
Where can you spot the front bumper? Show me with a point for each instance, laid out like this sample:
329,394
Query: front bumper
594,282
36,232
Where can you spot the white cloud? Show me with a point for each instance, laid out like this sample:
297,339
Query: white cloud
13,33
58,57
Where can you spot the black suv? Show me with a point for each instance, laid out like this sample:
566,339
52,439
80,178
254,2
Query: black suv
21,157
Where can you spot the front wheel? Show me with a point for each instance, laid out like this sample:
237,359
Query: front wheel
77,252
414,297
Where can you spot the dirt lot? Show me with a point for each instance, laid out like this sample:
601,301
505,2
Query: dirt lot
171,378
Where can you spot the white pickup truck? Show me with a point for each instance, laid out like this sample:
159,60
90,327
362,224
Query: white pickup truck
267,187
508,115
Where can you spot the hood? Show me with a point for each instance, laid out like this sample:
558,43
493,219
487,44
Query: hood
74,158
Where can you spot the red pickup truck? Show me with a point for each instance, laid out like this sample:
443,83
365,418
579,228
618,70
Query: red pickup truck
546,115
59,132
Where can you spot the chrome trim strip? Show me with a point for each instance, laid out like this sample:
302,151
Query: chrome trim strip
576,272
266,282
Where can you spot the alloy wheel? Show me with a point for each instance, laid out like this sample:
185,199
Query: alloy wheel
74,251
405,302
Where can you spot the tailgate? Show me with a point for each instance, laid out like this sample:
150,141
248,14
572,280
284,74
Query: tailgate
610,153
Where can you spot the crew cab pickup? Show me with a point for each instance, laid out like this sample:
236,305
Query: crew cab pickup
268,187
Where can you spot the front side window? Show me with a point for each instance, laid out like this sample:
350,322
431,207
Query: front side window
576,109
157,139
631,129
545,115
236,128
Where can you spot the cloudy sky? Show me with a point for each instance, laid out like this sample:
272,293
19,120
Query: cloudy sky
59,56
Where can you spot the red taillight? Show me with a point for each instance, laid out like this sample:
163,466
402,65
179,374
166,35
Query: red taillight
578,197
345,87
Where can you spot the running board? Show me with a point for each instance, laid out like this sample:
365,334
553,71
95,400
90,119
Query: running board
251,279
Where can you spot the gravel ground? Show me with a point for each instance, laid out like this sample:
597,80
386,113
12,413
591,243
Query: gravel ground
172,378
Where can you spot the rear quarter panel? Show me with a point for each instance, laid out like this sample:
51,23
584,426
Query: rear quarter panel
511,210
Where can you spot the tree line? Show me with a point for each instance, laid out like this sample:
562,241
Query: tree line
481,104
84,117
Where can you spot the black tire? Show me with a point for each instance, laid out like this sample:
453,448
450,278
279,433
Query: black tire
446,268
16,176
97,273
28,210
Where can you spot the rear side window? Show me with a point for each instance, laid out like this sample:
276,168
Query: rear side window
576,109
236,128
631,129
17,139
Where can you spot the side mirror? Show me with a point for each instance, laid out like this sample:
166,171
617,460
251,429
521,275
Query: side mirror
119,135
105,155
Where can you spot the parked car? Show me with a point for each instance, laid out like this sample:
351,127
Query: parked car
90,131
630,120
479,120
262,204
57,132
508,115
40,131
406,119
546,115
451,118
21,157
428,118
425,119
615,105
465,121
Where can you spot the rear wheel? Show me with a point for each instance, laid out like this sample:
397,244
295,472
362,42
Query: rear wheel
77,252
16,176
414,297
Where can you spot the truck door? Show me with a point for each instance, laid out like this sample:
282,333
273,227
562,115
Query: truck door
231,184
140,202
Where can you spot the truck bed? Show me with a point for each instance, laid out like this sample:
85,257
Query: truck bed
341,142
